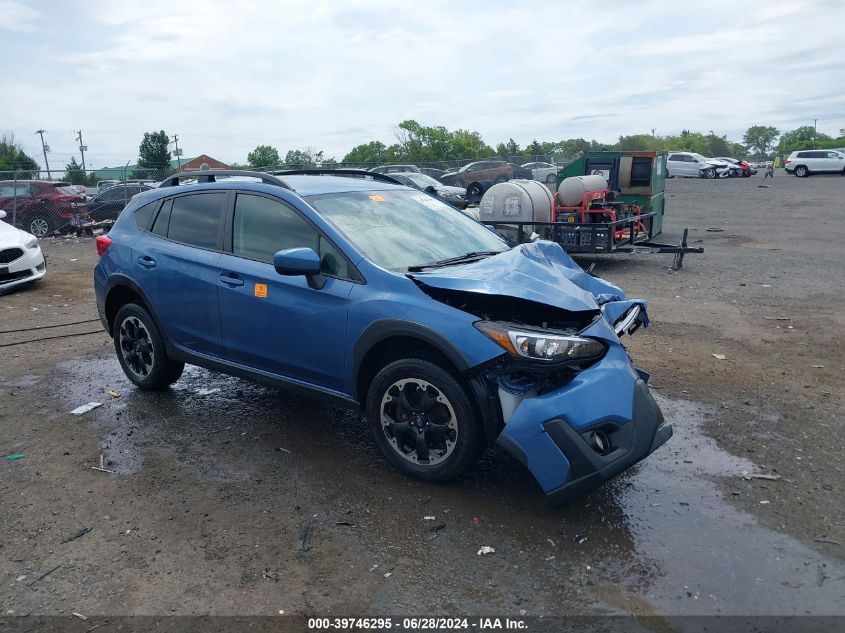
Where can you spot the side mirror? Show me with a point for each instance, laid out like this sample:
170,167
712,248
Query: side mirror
300,261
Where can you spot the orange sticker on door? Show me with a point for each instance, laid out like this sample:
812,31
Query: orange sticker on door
261,291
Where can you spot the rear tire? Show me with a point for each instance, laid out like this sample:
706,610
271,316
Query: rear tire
423,420
40,226
140,349
801,171
551,178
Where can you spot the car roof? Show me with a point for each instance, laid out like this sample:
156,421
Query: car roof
301,185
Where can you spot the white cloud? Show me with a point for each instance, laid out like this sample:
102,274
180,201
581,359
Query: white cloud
16,16
226,76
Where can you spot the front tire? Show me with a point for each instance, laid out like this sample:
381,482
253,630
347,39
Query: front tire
710,173
140,349
801,171
423,420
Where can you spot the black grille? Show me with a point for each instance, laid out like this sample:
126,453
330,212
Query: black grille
8,255
10,277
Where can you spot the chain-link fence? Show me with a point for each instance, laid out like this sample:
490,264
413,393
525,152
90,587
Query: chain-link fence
69,201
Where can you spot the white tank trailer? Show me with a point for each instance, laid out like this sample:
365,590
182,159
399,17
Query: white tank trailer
517,201
571,191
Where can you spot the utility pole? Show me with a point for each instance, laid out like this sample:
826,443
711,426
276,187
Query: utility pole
45,148
652,132
178,153
82,148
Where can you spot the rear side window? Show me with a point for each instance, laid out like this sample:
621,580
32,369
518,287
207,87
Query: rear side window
145,214
264,226
193,219
803,155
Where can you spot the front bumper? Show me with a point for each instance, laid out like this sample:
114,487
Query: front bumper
552,434
30,267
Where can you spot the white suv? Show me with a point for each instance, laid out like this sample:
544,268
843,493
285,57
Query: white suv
692,165
815,161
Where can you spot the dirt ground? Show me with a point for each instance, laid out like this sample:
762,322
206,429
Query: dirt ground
226,497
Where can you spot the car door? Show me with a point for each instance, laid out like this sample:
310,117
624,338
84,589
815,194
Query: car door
674,165
275,323
175,264
834,161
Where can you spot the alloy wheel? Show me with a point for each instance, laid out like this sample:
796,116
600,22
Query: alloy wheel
136,346
39,227
419,421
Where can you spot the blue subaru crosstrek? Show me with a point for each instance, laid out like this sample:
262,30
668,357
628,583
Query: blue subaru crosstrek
377,296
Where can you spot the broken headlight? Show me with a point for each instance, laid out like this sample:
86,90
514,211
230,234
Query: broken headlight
544,345
629,322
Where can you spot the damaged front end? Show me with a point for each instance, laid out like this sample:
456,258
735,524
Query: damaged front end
564,397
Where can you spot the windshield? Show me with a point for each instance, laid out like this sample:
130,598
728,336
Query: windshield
698,157
421,180
67,190
396,229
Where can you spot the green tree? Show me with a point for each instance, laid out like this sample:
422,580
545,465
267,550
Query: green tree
12,158
512,148
637,143
366,155
74,174
803,137
154,156
308,158
760,138
263,156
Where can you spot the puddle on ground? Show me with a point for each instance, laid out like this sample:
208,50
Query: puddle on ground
660,539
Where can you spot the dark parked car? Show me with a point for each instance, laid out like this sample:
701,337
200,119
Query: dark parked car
370,295
456,196
435,173
479,171
395,169
521,172
108,204
40,206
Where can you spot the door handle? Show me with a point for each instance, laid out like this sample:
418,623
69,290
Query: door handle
231,280
146,261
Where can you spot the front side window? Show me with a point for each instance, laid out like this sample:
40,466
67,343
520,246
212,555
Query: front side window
195,219
398,228
264,226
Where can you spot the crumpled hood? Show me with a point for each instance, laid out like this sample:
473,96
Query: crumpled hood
540,271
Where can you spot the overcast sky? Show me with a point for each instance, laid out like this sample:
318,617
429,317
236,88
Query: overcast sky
227,76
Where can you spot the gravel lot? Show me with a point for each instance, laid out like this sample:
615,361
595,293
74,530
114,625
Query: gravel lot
215,481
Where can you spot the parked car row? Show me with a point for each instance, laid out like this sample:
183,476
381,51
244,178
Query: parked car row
41,207
494,171
694,165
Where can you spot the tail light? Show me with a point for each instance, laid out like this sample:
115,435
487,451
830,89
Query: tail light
103,242
788,161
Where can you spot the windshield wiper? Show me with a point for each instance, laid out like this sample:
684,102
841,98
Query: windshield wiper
460,259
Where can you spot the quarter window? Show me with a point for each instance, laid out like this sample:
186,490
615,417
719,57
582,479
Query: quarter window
144,214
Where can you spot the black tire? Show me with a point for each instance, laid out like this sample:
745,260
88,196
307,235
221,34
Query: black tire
140,349
551,179
746,174
437,409
501,178
40,225
710,173
801,171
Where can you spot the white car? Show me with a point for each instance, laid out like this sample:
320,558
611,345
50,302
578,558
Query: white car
544,172
21,259
815,161
693,165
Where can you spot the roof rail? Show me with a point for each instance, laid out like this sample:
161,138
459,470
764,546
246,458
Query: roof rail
349,173
210,175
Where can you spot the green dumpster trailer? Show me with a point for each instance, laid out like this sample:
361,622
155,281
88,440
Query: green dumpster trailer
639,179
